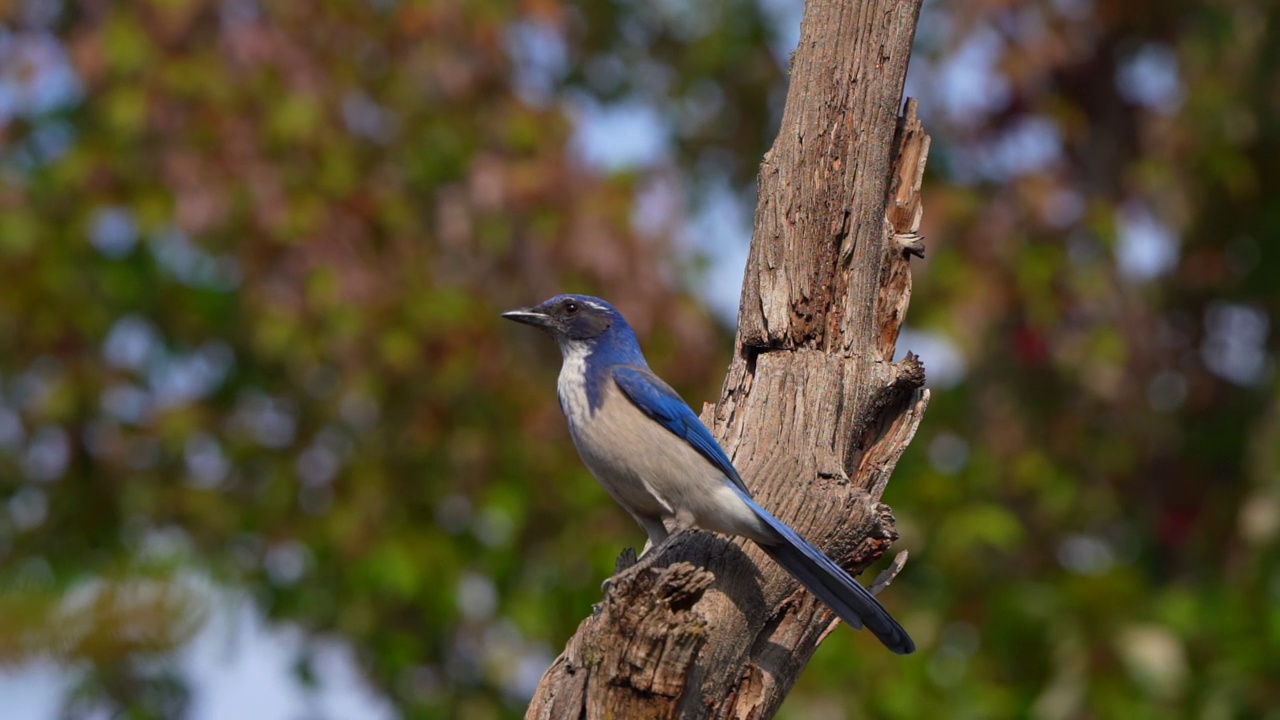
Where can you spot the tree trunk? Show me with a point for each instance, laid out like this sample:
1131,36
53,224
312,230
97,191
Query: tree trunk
813,412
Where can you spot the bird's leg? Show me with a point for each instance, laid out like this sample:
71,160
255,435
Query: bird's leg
656,529
664,533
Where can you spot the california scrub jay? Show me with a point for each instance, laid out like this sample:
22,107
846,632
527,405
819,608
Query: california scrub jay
657,459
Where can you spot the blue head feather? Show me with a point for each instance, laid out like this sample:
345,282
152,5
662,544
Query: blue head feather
590,326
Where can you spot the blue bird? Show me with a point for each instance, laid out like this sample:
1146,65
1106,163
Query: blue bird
656,458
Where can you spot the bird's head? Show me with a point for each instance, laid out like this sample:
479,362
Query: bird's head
570,317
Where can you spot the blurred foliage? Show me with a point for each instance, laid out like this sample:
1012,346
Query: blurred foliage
1093,502
254,261
253,255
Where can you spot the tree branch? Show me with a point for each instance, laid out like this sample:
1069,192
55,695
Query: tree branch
814,412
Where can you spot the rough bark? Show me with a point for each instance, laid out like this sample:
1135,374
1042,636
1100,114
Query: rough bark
814,412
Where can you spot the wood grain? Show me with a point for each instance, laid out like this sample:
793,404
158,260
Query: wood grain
814,411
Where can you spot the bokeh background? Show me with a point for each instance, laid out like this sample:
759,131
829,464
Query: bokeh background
267,451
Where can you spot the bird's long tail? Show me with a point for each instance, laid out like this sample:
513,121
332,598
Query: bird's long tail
824,578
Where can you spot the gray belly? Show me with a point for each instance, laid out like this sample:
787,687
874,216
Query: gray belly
656,475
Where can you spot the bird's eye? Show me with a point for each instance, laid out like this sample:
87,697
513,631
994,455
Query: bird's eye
571,307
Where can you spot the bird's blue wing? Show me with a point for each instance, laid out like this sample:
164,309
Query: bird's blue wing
656,399
852,602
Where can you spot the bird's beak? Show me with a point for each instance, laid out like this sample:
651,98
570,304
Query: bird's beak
529,316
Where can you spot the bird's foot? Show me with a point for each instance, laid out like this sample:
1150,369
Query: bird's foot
627,560
629,563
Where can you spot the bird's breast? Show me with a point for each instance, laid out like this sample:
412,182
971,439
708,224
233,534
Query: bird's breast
653,472
572,389
625,450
